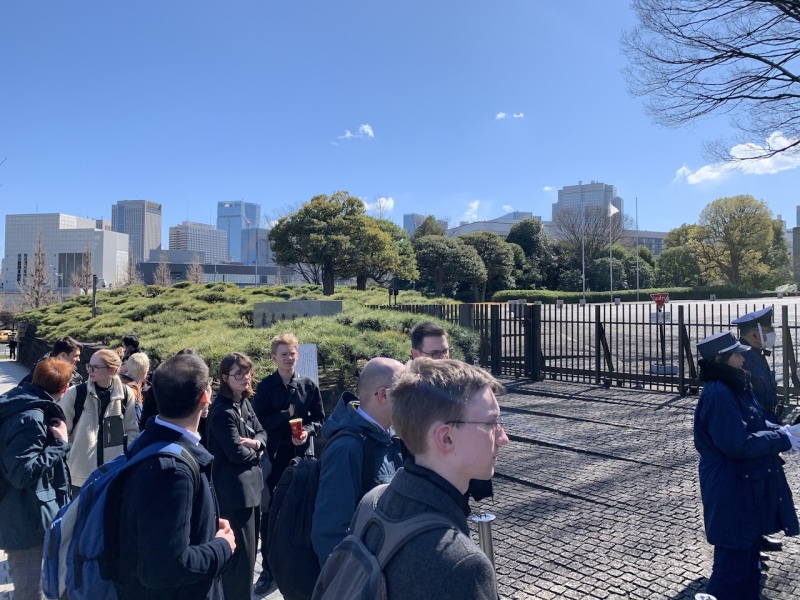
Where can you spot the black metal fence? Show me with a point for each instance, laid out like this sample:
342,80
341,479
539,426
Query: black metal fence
630,344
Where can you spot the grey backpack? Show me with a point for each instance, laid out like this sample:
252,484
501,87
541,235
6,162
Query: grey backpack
352,570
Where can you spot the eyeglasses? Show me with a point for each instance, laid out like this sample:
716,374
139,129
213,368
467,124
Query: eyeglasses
437,354
94,368
239,375
496,425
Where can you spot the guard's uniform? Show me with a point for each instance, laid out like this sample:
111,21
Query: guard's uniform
762,377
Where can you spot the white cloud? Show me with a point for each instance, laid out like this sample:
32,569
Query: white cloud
768,165
364,130
500,115
382,205
518,115
547,188
472,211
508,208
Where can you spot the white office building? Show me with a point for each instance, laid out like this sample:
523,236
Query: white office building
501,225
586,195
141,220
65,238
200,237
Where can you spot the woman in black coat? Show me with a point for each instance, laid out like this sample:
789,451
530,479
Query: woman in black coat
237,440
742,483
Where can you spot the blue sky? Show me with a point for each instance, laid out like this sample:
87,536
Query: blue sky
190,103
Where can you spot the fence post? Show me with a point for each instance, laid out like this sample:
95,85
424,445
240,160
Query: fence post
786,339
682,387
533,345
466,314
597,352
495,339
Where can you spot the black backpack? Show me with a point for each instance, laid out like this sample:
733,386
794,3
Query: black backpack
292,561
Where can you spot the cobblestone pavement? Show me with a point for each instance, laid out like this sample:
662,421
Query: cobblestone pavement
596,497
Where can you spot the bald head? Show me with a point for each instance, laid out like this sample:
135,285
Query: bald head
376,377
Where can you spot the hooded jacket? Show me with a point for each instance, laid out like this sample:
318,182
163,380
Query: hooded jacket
342,471
742,483
84,437
33,467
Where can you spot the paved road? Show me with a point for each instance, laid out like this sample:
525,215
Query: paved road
597,497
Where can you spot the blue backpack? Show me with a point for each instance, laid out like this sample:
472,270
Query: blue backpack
78,559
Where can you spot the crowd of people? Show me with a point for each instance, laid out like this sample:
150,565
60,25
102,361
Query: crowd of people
431,429
191,530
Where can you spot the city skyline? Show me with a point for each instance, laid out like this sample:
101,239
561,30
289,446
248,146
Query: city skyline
462,110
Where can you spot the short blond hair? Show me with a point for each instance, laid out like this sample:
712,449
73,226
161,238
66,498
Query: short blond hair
138,365
429,390
283,339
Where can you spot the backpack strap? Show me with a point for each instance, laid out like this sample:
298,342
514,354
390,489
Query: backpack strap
81,390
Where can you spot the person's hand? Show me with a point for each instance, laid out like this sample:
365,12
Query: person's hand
58,429
291,411
301,440
226,533
249,443
795,443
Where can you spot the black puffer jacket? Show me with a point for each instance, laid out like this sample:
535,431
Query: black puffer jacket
33,471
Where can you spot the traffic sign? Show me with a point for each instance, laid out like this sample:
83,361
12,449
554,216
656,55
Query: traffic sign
660,298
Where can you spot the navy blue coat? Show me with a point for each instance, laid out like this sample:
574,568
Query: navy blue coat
167,531
342,472
742,483
33,464
762,378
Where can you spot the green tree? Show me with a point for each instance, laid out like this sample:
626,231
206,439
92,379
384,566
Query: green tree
597,275
678,267
443,260
378,257
403,260
777,259
536,245
679,236
733,237
329,238
428,227
497,257
646,274
646,255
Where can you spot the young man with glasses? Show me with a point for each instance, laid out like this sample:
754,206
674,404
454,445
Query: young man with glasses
429,339
447,414
371,445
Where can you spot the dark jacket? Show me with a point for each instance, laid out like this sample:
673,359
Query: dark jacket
33,465
236,472
167,531
75,379
744,489
341,477
762,379
271,404
442,563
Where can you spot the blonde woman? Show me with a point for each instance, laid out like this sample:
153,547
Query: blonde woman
137,367
100,417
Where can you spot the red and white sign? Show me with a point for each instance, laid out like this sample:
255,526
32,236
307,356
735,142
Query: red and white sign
660,298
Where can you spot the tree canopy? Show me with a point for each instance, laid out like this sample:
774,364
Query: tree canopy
695,58
428,227
497,257
443,260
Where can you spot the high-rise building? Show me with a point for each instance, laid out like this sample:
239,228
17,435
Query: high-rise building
141,220
255,246
232,217
413,220
586,195
65,240
199,237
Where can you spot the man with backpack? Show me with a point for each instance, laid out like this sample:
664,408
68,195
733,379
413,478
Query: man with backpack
362,452
34,482
447,414
171,542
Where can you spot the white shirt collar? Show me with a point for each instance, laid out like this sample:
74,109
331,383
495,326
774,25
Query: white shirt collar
370,419
195,437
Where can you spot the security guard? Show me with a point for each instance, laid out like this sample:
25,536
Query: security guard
756,331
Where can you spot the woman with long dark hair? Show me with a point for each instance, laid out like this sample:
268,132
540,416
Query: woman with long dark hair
745,492
237,440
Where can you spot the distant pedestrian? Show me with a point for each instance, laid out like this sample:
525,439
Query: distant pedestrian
12,347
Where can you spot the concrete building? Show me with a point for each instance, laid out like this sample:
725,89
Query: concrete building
413,220
594,194
200,237
232,217
141,220
65,239
255,246
241,275
501,225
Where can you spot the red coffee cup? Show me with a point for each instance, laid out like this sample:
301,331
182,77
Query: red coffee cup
297,427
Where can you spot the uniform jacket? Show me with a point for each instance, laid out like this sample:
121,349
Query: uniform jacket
271,404
442,563
744,490
167,531
341,472
762,378
33,464
82,459
237,472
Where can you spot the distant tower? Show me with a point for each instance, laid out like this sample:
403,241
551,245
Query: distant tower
199,237
141,220
594,194
232,217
